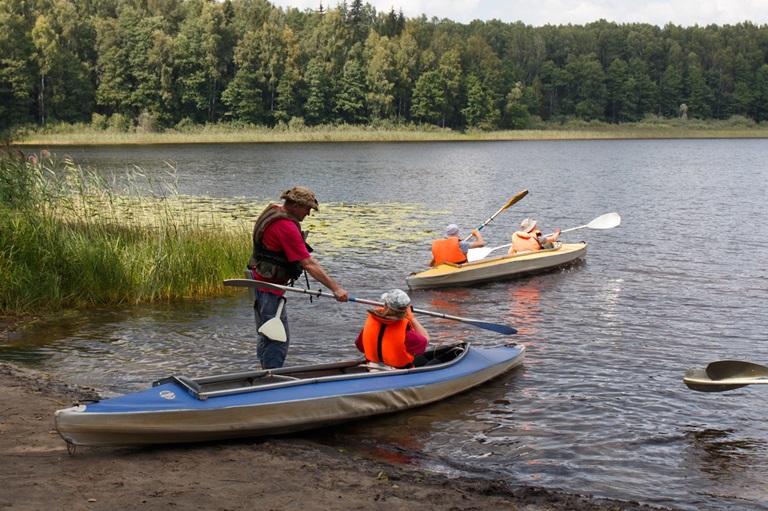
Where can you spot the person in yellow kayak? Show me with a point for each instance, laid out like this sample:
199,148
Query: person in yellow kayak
529,238
452,249
392,335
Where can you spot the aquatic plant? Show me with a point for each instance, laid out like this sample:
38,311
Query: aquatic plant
70,238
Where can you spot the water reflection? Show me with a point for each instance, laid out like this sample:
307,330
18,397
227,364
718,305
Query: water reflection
406,437
721,454
525,310
735,467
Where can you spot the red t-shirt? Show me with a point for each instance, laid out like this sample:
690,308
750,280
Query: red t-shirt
282,235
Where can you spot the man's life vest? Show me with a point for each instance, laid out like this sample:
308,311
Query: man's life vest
272,263
384,340
525,241
447,249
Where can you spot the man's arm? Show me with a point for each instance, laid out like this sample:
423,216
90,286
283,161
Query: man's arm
479,241
318,273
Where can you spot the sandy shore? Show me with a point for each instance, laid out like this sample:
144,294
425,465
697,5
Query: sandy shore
38,473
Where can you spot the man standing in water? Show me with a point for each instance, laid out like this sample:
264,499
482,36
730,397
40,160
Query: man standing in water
280,254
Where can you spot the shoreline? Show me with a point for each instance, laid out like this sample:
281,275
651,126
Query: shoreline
287,472
361,135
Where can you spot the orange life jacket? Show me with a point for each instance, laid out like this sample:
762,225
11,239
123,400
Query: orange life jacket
525,241
384,340
447,249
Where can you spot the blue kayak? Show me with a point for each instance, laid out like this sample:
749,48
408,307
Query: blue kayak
267,402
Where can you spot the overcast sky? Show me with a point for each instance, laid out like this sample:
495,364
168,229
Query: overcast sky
685,13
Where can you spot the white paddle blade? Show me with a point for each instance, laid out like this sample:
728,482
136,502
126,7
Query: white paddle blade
274,328
606,221
475,254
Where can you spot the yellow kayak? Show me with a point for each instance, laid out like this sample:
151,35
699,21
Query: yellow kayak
497,268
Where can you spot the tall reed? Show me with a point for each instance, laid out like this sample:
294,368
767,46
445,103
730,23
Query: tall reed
69,239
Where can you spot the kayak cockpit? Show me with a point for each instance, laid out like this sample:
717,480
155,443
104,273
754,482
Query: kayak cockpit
262,379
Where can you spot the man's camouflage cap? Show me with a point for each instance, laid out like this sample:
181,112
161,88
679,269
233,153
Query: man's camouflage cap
301,195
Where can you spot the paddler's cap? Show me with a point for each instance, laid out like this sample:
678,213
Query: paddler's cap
451,230
528,224
396,299
301,195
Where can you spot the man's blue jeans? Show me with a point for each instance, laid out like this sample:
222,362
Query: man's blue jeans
270,353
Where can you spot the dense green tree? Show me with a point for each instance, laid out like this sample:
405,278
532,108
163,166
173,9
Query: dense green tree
164,60
318,107
516,114
699,96
553,81
760,105
741,98
287,104
480,112
631,92
202,59
392,24
379,77
351,105
618,87
73,96
429,100
406,62
17,74
586,90
451,73
115,80
47,55
670,92
243,95
645,89
161,59
479,59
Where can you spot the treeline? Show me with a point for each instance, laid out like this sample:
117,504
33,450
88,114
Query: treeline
158,64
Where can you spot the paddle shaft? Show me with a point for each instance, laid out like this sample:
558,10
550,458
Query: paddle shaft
502,329
511,201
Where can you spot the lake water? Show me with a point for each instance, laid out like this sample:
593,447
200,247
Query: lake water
599,406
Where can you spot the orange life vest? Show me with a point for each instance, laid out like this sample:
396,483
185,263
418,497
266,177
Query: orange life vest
384,340
525,241
447,249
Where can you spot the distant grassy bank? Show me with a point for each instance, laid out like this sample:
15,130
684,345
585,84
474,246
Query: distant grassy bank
652,128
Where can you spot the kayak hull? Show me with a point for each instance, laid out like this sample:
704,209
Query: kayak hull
268,402
501,267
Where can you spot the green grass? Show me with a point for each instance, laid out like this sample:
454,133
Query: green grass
651,127
69,240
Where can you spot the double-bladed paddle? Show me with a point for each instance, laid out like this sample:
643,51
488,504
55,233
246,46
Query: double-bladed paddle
511,201
502,329
723,375
606,221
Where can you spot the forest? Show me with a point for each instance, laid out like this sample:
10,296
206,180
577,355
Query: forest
155,65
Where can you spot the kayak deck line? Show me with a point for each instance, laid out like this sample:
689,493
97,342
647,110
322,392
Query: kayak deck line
267,379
